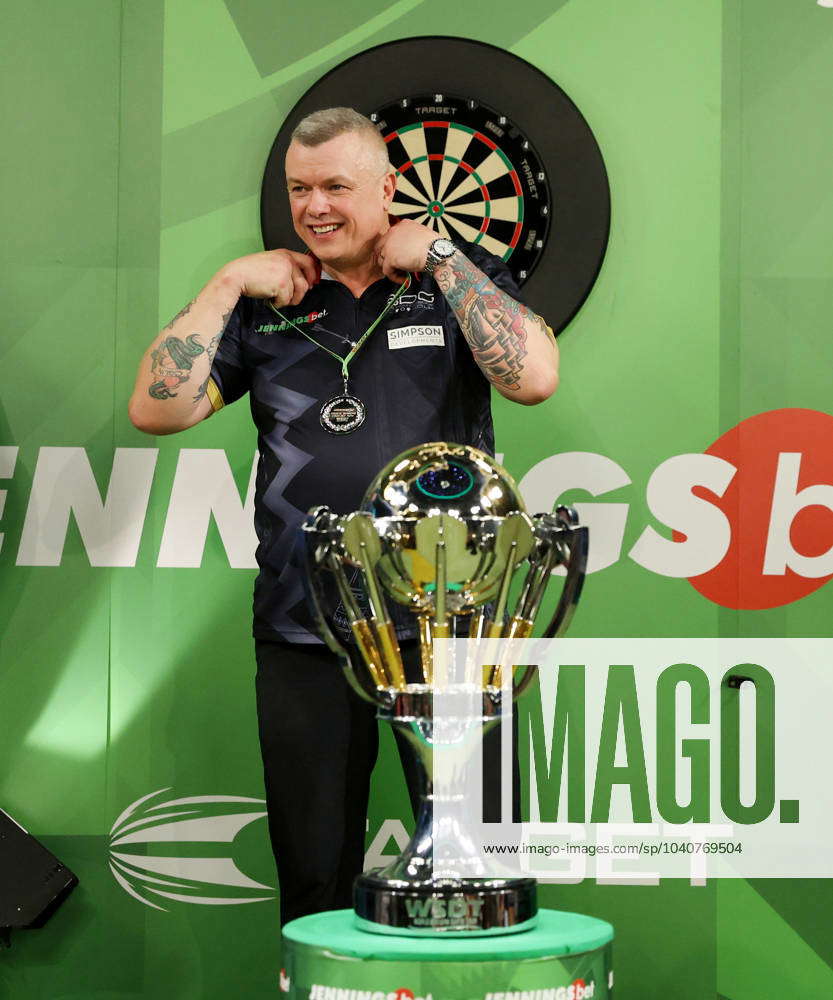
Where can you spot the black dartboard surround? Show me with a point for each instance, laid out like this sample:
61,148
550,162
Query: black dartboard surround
489,150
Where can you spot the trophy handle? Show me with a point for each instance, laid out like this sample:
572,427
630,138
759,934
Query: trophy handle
316,533
574,543
571,544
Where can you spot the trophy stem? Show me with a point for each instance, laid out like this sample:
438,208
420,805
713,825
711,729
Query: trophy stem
406,897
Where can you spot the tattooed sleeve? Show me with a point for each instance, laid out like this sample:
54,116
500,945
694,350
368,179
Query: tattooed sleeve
173,359
171,364
493,323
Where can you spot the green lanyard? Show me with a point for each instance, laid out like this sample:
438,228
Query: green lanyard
345,362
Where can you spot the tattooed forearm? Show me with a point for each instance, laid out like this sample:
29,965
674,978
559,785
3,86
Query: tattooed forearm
494,324
171,362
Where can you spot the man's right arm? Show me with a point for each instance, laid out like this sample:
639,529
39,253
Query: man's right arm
170,391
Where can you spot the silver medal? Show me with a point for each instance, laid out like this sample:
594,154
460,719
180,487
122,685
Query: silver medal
343,414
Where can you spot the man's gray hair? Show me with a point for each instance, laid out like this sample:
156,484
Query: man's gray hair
321,126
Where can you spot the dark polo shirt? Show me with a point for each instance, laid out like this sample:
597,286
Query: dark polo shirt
415,374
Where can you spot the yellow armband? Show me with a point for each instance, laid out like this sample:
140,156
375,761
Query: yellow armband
214,396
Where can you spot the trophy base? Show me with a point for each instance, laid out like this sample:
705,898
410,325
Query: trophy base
464,908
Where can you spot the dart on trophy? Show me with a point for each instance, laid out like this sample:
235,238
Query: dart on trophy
442,535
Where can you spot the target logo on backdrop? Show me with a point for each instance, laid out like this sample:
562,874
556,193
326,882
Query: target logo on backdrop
487,149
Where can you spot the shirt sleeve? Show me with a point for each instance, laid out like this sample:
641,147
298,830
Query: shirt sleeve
495,269
229,378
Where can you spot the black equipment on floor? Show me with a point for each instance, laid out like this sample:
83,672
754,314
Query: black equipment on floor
33,882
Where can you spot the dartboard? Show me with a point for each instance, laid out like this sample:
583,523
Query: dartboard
488,149
469,173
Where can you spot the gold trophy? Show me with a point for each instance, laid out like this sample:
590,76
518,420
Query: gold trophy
442,534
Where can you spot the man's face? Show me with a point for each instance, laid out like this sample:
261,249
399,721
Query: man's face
338,196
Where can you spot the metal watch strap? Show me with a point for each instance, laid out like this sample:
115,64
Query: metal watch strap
435,257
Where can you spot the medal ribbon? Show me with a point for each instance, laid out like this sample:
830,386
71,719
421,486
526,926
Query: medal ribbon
345,362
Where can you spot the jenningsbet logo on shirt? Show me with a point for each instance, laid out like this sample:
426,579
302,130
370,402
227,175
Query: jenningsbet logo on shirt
286,325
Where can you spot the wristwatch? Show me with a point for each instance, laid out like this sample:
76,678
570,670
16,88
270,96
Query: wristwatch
439,251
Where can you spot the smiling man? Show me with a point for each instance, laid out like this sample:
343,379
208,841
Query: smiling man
380,338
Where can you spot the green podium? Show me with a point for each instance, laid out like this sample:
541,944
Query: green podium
567,956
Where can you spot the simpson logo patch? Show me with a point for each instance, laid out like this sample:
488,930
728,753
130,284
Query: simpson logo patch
416,336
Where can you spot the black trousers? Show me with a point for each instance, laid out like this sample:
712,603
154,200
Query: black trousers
319,742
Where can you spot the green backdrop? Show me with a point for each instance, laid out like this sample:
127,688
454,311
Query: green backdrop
135,136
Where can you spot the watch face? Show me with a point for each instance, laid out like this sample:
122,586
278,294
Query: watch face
444,248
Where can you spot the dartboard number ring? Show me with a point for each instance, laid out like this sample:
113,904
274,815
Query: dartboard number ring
469,173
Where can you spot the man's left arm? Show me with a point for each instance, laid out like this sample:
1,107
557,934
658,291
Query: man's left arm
514,348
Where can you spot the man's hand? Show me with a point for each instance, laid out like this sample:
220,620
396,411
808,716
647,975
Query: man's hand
172,382
284,276
404,248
